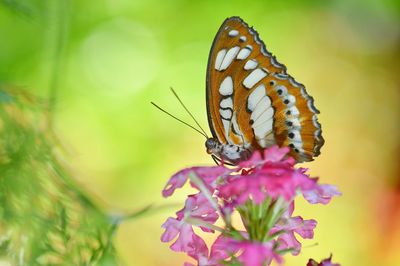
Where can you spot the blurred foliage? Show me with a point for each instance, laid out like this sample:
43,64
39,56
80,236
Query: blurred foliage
45,219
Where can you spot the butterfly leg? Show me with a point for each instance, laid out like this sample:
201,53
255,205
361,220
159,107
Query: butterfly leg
218,161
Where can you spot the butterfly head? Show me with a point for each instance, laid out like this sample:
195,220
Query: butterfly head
212,145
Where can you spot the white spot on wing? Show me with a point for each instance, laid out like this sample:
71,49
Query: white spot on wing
251,64
264,129
226,87
225,114
311,106
268,114
303,93
317,137
261,107
295,123
299,146
281,76
264,51
230,55
315,122
233,33
254,77
295,83
297,137
219,58
244,53
281,90
255,97
243,38
226,103
291,99
267,141
226,124
293,111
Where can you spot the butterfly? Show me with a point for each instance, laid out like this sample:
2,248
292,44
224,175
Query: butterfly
252,102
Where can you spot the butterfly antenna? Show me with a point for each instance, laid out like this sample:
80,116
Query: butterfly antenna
187,110
183,122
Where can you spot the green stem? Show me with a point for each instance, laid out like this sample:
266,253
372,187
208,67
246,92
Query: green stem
199,183
58,19
199,222
149,209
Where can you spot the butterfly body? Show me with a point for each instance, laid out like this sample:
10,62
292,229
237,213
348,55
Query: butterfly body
230,153
252,103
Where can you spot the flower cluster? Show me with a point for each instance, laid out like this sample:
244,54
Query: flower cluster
262,190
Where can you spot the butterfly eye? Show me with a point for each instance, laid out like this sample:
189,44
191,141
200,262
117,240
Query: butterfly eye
211,143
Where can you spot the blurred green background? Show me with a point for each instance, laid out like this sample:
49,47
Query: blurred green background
102,62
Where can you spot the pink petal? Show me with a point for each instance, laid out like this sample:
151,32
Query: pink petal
321,194
253,255
254,160
182,243
175,182
172,227
258,254
305,228
207,174
222,249
199,249
288,240
275,154
187,241
200,208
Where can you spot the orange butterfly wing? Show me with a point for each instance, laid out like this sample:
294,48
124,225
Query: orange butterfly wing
251,100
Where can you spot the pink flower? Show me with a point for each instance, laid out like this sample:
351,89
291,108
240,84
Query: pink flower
222,249
174,227
273,176
207,174
321,193
247,252
262,190
274,179
276,154
198,250
272,154
198,206
287,240
254,253
176,181
325,262
187,240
